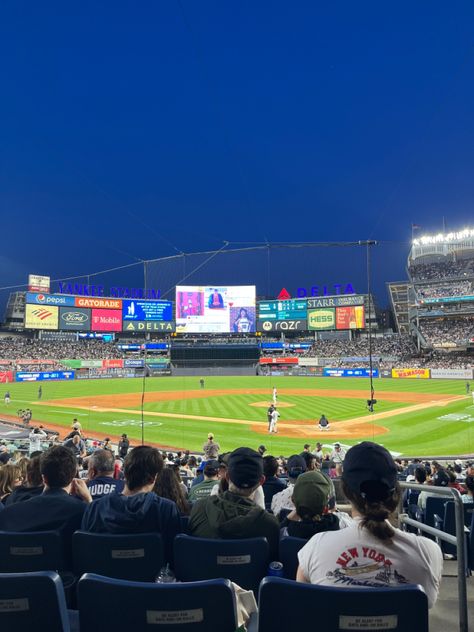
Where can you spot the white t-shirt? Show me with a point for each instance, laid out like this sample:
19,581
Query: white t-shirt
354,557
282,500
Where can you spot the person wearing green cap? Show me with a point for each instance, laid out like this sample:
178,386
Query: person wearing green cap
311,495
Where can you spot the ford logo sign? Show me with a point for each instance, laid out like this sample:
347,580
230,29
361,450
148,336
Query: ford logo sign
74,317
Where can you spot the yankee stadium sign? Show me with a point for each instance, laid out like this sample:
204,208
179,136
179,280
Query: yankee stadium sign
118,291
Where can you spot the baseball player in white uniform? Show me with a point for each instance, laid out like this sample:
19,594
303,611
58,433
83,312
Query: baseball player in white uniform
274,421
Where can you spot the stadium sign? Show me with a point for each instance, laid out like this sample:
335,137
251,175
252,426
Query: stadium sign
43,376
321,319
322,290
282,325
82,289
350,372
37,283
75,319
336,301
147,310
37,298
415,373
149,325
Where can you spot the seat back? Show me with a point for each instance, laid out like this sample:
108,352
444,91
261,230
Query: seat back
244,562
285,604
193,607
434,505
288,555
32,601
34,551
135,557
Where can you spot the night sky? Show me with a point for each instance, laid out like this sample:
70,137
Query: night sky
136,130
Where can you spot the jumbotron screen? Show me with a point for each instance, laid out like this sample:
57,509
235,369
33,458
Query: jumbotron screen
290,309
215,309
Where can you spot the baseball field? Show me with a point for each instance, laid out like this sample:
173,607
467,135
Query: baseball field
411,417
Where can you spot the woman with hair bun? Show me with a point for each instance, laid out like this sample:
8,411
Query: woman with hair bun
371,553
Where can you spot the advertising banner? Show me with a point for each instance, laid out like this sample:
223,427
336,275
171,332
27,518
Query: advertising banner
91,364
147,310
278,360
149,325
34,361
114,363
321,319
37,317
386,373
99,303
282,325
6,377
134,362
335,301
63,336
43,376
157,360
420,374
106,320
74,318
350,317
72,364
37,283
215,309
308,362
451,374
49,299
339,372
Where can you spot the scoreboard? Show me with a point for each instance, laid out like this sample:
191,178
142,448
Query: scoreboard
291,309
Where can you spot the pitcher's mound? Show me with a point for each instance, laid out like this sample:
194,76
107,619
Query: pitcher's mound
267,404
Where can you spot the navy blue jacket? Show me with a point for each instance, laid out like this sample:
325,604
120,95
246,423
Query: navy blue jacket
142,513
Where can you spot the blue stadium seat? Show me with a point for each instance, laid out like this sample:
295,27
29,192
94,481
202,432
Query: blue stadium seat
33,601
135,557
448,524
33,551
434,506
244,562
288,555
112,604
286,605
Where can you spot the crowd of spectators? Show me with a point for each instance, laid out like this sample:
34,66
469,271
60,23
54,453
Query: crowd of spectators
441,270
453,331
20,347
458,288
394,346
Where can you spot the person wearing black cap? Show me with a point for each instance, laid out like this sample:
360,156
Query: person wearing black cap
211,478
295,466
234,514
371,553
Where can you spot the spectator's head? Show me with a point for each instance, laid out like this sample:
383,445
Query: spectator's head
211,470
420,475
270,466
295,466
58,466
143,465
168,486
311,495
101,463
262,449
370,484
244,471
306,447
310,461
441,478
10,477
470,485
33,472
210,437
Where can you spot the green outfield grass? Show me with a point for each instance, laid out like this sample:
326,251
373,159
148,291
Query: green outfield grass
433,431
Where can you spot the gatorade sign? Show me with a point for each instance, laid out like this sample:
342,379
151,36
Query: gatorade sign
321,319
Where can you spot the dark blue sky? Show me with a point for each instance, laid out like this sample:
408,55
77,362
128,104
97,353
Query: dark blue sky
131,129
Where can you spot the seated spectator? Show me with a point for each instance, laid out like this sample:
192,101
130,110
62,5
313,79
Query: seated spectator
4,455
310,460
234,514
295,466
272,485
138,509
439,479
469,496
100,471
169,486
311,495
371,552
55,509
32,484
10,478
211,478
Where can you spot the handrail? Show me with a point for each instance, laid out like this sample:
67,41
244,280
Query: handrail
458,540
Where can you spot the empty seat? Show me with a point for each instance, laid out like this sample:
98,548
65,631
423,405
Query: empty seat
136,557
118,605
32,602
288,555
34,551
245,562
286,605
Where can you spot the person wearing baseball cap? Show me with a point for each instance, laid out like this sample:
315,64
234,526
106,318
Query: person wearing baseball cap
311,496
371,552
234,514
281,502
